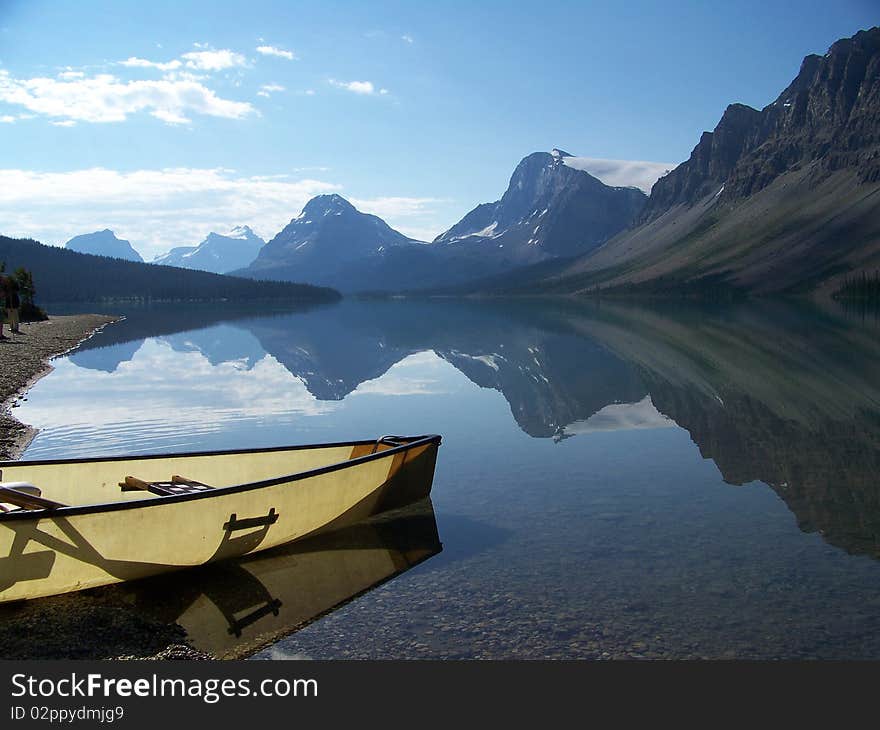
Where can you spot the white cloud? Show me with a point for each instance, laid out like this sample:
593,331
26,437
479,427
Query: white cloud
70,74
268,89
309,92
7,119
365,88
407,39
279,52
65,123
394,206
413,217
622,173
212,60
105,98
420,233
183,75
154,209
159,209
134,62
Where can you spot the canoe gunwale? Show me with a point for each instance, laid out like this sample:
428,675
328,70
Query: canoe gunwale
214,452
207,494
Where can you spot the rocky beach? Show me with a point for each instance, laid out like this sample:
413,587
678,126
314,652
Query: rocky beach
24,359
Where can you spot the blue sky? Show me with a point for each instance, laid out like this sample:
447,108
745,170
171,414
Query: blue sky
165,120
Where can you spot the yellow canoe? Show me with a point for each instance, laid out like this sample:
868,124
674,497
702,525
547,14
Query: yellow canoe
79,523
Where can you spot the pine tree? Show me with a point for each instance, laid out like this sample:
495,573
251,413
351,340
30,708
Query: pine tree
25,285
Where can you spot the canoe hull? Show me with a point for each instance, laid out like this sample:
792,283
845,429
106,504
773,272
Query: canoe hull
76,548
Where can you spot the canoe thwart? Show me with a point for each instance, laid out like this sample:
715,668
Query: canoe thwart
237,524
22,495
177,485
176,479
133,484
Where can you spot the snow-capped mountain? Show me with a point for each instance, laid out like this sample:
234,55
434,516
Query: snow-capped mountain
219,253
333,243
104,243
550,209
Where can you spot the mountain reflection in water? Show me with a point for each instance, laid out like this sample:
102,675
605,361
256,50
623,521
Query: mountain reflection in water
777,393
599,486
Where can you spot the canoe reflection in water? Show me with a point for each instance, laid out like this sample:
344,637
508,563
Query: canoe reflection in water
230,609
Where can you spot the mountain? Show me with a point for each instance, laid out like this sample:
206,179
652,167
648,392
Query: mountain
549,210
331,243
219,253
63,275
104,243
784,199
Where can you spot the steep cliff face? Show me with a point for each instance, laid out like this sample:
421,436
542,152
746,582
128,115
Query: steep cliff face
710,165
829,113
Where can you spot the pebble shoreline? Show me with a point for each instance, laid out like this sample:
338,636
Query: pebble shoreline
24,359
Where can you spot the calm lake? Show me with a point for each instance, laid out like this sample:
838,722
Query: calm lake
613,482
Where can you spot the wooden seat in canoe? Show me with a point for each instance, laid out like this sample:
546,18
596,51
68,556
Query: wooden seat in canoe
176,485
23,495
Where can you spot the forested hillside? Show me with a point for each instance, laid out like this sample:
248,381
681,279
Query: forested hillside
61,275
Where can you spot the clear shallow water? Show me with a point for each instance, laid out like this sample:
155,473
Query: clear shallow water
613,481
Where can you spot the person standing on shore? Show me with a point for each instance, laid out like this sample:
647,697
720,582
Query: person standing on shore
2,306
13,303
